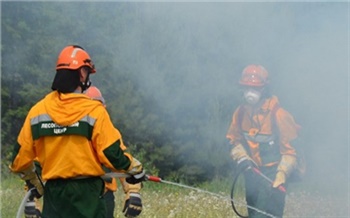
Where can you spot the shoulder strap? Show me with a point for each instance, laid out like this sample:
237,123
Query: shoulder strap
274,118
240,114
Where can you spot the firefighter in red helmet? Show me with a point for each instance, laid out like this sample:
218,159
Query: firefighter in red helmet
72,137
262,134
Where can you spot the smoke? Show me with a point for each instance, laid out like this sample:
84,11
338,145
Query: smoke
188,54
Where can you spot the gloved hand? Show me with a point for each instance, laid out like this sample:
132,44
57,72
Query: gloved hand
239,154
136,171
33,181
34,191
137,178
132,205
284,169
245,163
280,179
30,210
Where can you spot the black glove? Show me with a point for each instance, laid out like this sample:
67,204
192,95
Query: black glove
133,205
136,178
30,211
245,163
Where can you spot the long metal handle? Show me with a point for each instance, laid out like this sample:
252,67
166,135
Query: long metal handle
115,175
280,187
125,175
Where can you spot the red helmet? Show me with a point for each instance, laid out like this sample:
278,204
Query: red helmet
94,93
73,57
254,75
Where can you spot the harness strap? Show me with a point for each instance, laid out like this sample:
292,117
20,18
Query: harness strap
274,130
274,110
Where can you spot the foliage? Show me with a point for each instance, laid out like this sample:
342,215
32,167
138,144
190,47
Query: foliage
178,131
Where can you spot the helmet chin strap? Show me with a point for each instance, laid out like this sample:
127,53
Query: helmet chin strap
85,85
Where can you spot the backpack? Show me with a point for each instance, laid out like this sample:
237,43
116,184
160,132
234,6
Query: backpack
299,172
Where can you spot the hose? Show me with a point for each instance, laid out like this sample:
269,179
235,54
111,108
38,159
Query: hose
22,205
232,190
258,172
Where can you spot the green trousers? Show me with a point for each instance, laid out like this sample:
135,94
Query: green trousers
74,198
261,195
110,204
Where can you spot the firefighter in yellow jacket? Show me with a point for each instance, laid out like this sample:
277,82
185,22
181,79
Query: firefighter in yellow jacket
262,135
132,195
72,137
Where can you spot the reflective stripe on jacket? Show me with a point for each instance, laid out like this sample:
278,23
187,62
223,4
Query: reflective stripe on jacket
70,135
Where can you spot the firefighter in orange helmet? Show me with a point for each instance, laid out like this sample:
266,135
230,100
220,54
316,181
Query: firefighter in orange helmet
72,137
262,134
133,203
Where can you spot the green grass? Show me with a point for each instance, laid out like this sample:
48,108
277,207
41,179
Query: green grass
12,193
168,201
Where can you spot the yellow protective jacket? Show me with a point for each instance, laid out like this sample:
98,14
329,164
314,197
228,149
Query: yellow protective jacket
71,136
266,131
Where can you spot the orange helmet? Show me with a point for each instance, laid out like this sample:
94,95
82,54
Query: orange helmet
73,57
254,75
94,93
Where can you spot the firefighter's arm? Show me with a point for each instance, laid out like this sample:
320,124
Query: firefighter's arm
234,133
32,179
288,132
109,144
241,157
23,160
284,169
133,202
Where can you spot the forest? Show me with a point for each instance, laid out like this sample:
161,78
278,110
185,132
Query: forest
169,73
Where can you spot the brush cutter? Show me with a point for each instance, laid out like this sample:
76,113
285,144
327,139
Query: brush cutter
124,175
158,179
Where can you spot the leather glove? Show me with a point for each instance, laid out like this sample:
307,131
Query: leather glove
137,178
239,154
245,163
136,171
33,181
284,169
287,164
34,191
280,179
132,205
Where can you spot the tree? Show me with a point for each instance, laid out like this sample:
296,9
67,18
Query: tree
155,81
